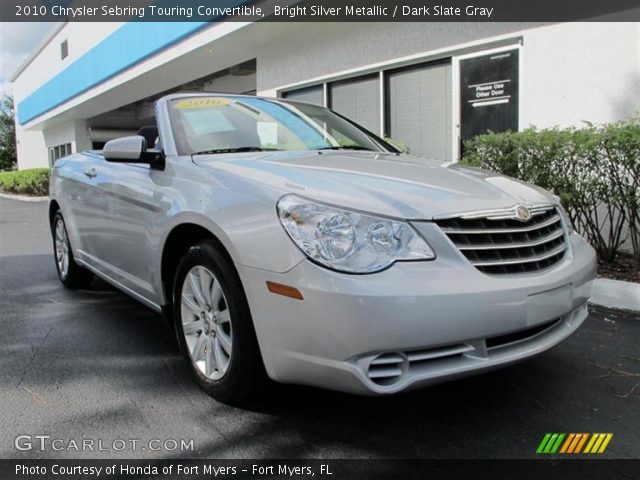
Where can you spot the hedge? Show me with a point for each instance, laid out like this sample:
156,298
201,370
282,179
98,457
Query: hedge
34,181
594,170
399,144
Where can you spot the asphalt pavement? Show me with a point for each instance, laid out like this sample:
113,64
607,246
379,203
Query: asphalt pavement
96,365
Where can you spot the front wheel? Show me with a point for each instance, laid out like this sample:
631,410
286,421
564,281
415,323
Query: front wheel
70,273
214,326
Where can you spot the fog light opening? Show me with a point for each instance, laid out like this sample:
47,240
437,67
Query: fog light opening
388,368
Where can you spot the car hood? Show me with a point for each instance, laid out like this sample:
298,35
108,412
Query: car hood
401,186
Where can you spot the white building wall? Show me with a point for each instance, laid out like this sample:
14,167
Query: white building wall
81,36
31,149
571,72
82,141
60,134
231,83
179,63
576,72
74,132
33,146
307,51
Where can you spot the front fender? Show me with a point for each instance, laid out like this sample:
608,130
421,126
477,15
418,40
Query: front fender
258,242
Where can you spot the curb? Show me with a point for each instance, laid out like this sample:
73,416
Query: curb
616,294
22,198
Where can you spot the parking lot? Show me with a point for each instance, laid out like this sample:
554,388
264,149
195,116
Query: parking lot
95,364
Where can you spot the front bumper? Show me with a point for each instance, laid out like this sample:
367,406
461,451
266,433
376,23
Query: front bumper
431,321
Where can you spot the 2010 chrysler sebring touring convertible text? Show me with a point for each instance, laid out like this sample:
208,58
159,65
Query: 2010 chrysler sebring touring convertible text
283,240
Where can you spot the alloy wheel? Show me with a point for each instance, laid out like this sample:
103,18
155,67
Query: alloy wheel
206,323
62,248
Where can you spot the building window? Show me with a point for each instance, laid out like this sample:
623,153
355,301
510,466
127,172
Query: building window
419,108
313,95
359,100
58,151
414,104
64,49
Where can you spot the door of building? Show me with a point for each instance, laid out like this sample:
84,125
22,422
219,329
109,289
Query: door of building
489,94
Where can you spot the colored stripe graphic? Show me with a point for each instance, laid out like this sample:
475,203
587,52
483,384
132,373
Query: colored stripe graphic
606,441
567,443
543,443
590,444
581,443
556,445
550,443
598,443
573,443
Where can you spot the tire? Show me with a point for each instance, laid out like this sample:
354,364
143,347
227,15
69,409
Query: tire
220,345
70,273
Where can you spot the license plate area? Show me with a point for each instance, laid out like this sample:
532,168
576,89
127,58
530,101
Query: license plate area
546,306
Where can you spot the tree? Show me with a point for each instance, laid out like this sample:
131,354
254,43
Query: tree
8,156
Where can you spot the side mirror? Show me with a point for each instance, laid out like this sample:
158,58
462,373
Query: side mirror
125,149
132,149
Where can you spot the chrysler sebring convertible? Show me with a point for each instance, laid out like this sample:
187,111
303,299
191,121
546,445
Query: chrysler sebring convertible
285,242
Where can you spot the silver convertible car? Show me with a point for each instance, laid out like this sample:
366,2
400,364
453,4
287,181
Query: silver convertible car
285,242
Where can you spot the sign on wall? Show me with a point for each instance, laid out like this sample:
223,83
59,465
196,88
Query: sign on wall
489,93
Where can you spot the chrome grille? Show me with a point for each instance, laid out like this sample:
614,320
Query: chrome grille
499,243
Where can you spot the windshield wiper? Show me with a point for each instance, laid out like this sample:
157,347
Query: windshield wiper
345,147
235,150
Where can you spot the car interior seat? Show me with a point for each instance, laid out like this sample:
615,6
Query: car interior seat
150,134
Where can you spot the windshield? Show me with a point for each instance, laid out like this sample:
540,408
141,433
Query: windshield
221,124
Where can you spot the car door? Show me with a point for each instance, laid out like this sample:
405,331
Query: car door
126,227
77,186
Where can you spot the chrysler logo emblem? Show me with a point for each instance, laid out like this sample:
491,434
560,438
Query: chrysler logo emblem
522,213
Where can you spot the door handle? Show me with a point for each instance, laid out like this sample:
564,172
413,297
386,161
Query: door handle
91,172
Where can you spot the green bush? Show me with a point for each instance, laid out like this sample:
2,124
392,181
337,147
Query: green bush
595,171
34,181
399,144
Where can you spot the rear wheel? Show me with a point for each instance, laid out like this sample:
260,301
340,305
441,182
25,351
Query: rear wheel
214,326
70,273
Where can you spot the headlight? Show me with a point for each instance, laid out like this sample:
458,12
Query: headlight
349,241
